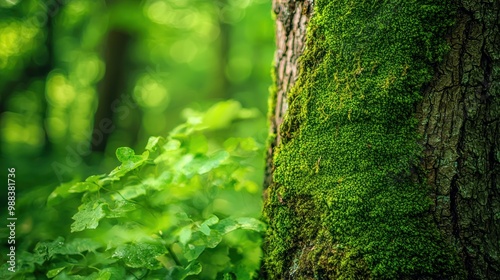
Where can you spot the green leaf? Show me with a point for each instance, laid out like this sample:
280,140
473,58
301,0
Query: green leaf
251,224
83,187
183,130
103,275
204,227
95,179
212,240
201,164
153,143
158,183
246,144
211,221
129,192
182,218
198,144
121,209
226,226
60,193
79,245
140,255
171,150
179,272
231,224
53,272
172,145
221,114
88,216
29,259
48,249
193,268
115,273
192,252
185,234
125,154
129,162
214,161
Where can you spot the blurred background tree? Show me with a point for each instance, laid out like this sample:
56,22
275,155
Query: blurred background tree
81,78
67,65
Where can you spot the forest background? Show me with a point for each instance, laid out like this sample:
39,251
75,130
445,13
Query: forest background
80,79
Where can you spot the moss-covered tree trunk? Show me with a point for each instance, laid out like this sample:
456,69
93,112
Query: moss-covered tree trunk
385,156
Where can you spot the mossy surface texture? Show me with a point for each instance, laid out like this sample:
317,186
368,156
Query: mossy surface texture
348,199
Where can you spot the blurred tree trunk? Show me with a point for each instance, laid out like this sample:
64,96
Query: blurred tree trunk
326,225
112,85
44,71
222,88
292,18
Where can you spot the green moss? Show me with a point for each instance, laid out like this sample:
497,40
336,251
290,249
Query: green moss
271,101
349,200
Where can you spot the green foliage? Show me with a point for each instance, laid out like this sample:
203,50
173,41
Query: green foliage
54,62
202,51
176,211
349,200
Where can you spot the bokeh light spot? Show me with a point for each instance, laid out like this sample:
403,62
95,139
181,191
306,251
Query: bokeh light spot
60,93
158,11
183,51
149,93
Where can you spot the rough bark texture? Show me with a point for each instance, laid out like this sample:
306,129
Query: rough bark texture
346,198
291,24
460,124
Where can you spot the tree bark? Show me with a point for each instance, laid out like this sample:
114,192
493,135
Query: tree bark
352,204
291,24
460,123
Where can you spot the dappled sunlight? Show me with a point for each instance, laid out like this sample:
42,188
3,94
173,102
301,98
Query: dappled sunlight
183,51
17,130
150,94
17,39
60,92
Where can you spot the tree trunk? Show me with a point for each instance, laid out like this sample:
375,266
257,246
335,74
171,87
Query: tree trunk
385,141
460,123
292,18
222,87
112,84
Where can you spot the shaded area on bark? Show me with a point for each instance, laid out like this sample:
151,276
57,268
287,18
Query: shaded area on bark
460,124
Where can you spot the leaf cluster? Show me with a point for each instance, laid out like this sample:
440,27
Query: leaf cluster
166,213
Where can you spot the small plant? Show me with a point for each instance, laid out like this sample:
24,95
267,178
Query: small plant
170,212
